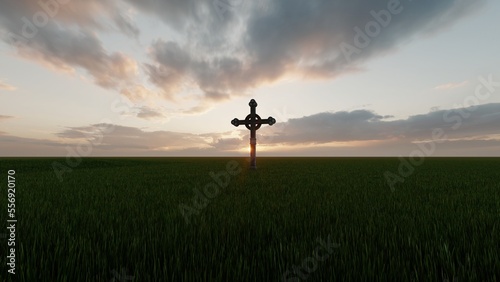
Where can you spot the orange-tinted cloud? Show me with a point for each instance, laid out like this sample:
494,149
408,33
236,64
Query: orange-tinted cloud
258,44
5,86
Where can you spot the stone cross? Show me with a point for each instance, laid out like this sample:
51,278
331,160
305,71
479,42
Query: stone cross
253,122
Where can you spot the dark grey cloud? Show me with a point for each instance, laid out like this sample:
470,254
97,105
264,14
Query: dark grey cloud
222,48
196,18
175,13
309,34
275,38
364,125
125,24
175,66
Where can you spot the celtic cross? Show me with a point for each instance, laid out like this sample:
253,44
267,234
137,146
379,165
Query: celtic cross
253,122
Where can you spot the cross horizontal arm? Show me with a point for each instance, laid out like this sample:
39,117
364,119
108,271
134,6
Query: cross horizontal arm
237,122
260,121
269,121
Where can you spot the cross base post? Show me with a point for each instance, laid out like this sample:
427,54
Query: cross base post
253,158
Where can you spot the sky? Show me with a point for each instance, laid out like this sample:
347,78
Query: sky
165,78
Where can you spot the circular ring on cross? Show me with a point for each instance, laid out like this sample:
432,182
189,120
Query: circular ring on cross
256,121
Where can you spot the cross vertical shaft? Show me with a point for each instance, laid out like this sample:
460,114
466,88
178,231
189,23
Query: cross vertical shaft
253,138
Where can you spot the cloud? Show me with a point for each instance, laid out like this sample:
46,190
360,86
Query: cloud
364,125
467,131
109,140
229,143
348,129
19,146
125,24
137,92
3,117
262,41
181,15
448,86
215,52
5,86
64,37
150,113
90,14
65,50
124,137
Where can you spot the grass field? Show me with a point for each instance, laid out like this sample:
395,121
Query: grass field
314,219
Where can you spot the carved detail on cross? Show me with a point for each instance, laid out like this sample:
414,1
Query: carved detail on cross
253,122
